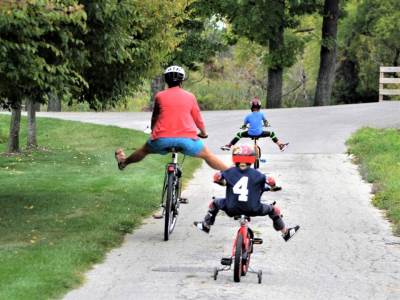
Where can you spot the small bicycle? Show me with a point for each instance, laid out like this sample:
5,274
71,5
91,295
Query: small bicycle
241,252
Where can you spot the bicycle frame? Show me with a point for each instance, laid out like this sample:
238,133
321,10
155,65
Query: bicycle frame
243,231
172,167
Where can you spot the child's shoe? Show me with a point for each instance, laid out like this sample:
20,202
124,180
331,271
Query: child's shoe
226,147
202,226
276,188
283,147
290,233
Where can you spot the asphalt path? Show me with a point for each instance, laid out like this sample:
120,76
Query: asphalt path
344,250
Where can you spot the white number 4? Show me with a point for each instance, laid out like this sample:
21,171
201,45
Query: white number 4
240,188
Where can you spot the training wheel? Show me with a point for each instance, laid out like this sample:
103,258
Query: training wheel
215,273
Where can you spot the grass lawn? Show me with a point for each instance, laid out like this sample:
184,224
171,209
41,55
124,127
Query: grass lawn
63,206
378,152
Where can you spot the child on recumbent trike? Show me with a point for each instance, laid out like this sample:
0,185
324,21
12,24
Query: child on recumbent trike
253,127
244,187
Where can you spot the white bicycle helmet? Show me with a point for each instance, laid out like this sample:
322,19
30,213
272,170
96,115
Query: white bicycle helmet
174,75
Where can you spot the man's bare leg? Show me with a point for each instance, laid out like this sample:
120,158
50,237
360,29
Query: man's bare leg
212,160
136,156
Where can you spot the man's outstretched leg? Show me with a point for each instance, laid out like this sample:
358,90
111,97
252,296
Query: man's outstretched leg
212,160
136,156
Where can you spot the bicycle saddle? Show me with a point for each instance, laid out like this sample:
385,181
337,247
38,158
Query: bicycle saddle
240,216
174,149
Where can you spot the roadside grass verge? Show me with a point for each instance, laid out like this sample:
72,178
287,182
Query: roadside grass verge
65,205
378,153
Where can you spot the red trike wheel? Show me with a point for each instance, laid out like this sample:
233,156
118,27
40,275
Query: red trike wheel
237,266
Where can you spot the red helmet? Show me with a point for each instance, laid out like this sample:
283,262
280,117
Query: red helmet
255,103
243,154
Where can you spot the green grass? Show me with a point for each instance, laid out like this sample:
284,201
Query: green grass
378,152
63,206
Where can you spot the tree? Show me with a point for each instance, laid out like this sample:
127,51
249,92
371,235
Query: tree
39,54
326,73
368,38
127,41
202,38
266,22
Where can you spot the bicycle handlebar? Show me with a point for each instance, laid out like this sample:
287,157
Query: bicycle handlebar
202,136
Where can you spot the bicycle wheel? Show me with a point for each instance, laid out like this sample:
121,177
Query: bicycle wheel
237,265
170,216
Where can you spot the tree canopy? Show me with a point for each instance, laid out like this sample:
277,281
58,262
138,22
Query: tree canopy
127,41
40,49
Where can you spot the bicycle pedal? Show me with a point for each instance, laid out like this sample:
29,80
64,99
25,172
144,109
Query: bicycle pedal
183,200
257,241
226,261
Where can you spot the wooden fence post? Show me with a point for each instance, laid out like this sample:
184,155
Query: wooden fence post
383,81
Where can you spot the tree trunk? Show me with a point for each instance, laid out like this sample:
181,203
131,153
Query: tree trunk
396,58
274,88
326,72
13,139
31,139
157,84
275,73
54,103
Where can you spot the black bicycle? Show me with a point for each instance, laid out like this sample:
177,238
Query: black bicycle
171,193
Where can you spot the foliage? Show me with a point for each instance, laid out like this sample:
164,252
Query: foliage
204,36
377,150
40,51
259,21
63,207
300,79
369,37
127,41
231,79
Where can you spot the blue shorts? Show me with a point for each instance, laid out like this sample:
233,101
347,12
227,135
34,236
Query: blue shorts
189,146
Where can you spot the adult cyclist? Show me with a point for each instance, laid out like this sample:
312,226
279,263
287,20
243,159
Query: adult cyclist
175,122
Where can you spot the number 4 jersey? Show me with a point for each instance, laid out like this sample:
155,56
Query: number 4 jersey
243,191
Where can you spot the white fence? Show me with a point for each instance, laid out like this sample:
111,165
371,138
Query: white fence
384,81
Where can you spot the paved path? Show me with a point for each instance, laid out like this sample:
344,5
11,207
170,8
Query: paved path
345,249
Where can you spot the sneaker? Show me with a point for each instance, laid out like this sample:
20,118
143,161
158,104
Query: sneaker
290,233
276,188
283,147
202,226
120,157
226,147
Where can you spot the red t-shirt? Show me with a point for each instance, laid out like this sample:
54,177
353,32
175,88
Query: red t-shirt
177,113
